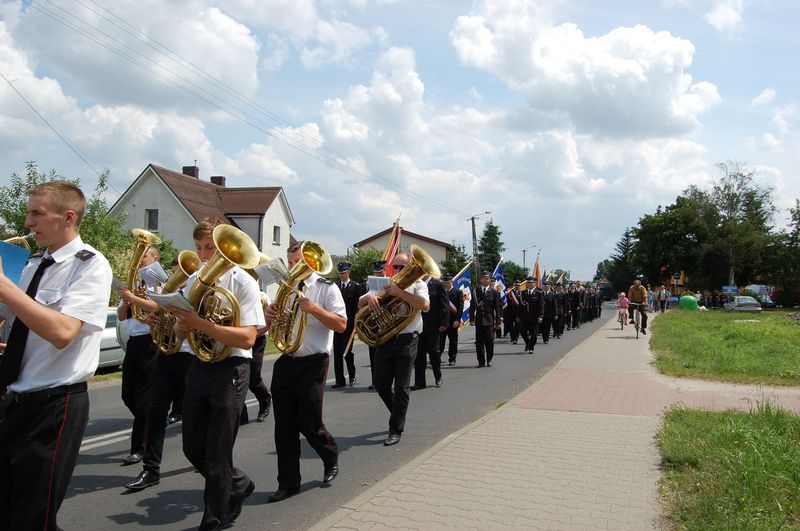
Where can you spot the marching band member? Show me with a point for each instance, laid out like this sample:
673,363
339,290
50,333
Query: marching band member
215,392
52,350
531,313
434,322
378,270
257,385
298,382
485,315
394,360
139,362
456,299
351,291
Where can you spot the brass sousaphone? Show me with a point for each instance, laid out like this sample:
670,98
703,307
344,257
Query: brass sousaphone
378,327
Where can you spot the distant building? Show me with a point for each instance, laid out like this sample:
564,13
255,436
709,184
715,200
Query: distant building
437,249
171,203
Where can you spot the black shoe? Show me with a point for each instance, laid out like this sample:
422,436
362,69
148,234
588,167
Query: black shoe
235,506
644,332
337,385
280,495
418,387
439,382
392,439
353,381
330,473
488,363
546,342
481,365
631,322
172,419
132,459
263,411
145,479
371,388
451,362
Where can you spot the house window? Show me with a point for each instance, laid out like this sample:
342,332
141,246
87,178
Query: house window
276,235
151,219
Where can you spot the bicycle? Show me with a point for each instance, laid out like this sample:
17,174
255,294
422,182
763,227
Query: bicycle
622,318
637,312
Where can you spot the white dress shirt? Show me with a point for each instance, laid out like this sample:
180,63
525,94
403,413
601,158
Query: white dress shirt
318,337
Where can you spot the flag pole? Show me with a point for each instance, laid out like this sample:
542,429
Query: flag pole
463,269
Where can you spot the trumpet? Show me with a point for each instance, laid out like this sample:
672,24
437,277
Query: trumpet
164,329
20,240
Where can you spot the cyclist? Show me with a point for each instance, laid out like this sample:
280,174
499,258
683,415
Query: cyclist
637,294
623,304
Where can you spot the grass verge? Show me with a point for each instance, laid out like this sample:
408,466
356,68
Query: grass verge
735,347
731,470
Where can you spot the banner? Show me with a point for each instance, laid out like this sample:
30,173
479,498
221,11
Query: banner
465,285
392,246
500,281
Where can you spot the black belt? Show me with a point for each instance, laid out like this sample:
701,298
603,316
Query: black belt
45,395
404,337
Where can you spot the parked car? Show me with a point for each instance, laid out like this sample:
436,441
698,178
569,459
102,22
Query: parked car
112,347
742,303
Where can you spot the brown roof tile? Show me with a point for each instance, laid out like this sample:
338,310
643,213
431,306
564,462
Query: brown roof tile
403,231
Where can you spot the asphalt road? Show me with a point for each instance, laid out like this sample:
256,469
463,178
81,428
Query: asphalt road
355,416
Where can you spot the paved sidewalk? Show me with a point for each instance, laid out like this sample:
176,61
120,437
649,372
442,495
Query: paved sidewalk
576,450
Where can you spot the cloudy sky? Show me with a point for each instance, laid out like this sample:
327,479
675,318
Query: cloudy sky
568,120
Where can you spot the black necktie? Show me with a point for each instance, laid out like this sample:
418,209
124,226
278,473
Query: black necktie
15,346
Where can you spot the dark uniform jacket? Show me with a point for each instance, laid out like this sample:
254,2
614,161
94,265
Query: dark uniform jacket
439,312
455,296
485,310
350,294
531,306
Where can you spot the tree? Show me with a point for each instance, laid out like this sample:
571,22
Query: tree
362,262
490,247
745,220
455,260
621,272
603,269
513,271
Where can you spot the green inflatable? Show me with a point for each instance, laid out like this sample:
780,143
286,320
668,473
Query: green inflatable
688,302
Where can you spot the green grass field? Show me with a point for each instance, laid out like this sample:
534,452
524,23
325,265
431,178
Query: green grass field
735,347
731,470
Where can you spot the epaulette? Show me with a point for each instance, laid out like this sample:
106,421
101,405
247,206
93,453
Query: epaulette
325,281
37,255
84,254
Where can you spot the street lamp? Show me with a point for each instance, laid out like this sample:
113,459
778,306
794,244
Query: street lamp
475,244
524,268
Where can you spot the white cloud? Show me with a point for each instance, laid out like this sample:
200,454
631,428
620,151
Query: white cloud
336,42
767,96
630,81
784,118
724,15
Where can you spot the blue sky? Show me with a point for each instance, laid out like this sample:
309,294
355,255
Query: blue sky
567,119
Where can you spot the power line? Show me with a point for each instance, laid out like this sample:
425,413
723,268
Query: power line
331,158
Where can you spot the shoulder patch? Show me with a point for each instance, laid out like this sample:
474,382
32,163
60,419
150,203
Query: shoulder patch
325,281
84,254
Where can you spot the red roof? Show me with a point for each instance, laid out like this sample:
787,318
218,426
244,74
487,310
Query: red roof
403,231
207,200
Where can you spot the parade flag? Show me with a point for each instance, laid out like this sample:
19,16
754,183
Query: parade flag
535,274
392,246
463,283
500,281
560,278
544,277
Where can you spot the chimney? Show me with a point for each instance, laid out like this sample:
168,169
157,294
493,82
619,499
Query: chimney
192,171
219,180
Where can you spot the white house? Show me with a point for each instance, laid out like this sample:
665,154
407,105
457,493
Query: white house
171,203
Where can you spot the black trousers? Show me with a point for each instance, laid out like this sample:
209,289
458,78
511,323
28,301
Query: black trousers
484,341
372,363
298,385
169,379
340,356
529,331
212,404
393,363
257,385
576,318
547,325
427,346
663,305
39,442
137,379
450,334
559,324
643,310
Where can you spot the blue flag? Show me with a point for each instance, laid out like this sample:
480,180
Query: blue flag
500,281
463,283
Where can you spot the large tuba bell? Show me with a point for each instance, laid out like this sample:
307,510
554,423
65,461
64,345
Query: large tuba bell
144,240
378,327
20,240
164,329
286,331
216,303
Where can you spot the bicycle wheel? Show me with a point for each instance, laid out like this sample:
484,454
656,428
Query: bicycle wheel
637,323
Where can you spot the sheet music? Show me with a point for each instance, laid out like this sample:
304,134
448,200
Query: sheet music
153,274
378,283
117,284
175,299
14,259
273,271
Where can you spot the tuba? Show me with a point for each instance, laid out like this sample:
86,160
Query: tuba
216,303
282,331
376,328
164,329
20,240
144,240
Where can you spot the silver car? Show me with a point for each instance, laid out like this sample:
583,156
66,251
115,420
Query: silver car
112,347
742,303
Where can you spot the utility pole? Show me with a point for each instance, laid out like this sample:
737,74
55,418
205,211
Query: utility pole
524,267
475,266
